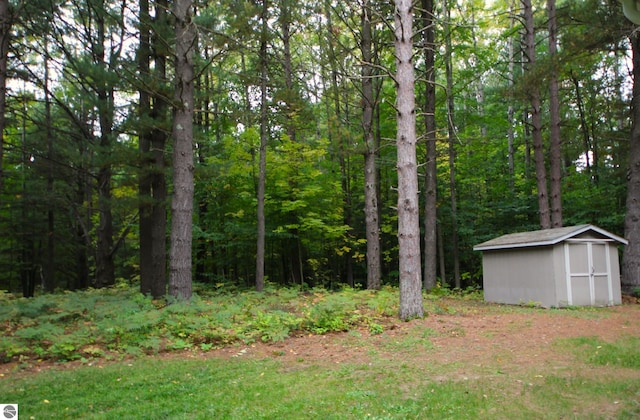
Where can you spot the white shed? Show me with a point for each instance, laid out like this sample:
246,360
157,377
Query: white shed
569,266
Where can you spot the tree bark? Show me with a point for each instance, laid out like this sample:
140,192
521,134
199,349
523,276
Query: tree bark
555,149
262,166
452,147
153,186
50,269
180,272
372,222
335,130
105,268
159,137
144,146
631,254
294,251
430,210
536,120
411,304
5,32
510,109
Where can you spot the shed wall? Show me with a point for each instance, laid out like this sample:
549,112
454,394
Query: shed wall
520,276
539,275
615,273
559,279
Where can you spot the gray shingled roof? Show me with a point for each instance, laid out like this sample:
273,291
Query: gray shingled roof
543,237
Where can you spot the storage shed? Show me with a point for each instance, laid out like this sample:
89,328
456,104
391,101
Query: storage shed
569,266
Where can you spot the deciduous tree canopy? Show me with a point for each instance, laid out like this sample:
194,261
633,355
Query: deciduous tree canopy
294,132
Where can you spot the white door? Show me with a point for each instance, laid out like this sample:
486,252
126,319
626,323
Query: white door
588,273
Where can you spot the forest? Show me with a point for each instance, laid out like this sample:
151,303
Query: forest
294,167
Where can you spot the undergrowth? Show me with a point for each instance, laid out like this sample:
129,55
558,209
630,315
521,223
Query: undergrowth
120,321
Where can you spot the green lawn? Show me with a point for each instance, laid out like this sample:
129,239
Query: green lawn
171,388
117,374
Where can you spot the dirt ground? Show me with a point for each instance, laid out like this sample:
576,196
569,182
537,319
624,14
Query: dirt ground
465,334
473,333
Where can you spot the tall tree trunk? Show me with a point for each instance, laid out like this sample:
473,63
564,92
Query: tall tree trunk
411,304
631,254
144,145
370,173
452,147
49,270
262,171
159,137
26,261
153,186
105,269
510,109
536,120
430,209
335,135
5,29
180,272
555,150
294,246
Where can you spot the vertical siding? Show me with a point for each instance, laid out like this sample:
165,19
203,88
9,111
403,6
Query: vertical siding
520,276
582,270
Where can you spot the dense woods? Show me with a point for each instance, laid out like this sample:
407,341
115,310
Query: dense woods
277,128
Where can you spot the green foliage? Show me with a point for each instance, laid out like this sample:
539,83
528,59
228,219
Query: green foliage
110,322
273,326
314,182
98,323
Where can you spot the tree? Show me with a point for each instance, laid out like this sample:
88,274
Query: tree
510,111
262,165
536,117
338,133
451,130
631,254
555,148
370,172
180,264
431,175
5,29
411,305
104,89
152,138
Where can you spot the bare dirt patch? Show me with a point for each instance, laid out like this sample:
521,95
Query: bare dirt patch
470,336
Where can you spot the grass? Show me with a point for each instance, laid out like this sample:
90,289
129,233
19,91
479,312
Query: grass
153,388
142,359
620,353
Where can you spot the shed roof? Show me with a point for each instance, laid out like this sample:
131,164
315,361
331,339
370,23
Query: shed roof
543,237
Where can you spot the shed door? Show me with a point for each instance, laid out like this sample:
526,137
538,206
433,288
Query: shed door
588,273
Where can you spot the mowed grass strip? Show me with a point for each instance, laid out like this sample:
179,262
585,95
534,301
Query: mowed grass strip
173,388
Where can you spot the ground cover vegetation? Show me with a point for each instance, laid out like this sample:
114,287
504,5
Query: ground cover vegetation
228,355
281,155
121,322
